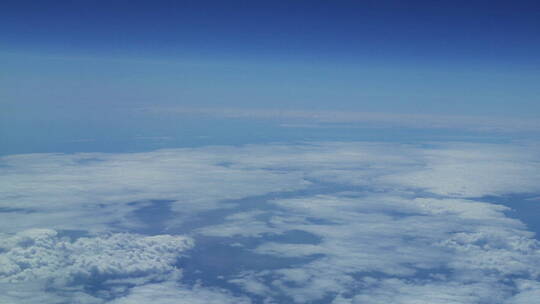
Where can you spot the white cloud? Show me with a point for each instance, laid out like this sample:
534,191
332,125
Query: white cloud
41,254
529,292
368,247
374,291
454,243
90,191
236,226
35,293
473,170
36,260
172,293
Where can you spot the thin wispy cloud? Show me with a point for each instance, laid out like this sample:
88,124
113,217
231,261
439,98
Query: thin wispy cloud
329,118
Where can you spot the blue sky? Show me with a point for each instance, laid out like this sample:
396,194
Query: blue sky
458,58
251,152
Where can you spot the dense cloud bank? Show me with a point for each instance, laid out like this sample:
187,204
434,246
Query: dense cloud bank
377,249
387,223
40,256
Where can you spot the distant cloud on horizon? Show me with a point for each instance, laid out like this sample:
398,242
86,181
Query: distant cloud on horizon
321,118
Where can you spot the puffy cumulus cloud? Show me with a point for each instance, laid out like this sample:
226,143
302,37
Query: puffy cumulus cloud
173,293
34,261
422,246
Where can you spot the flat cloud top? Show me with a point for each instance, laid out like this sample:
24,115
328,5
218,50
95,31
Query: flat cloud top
170,293
458,249
389,223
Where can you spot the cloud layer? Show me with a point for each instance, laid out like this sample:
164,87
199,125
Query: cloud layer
388,245
41,256
380,222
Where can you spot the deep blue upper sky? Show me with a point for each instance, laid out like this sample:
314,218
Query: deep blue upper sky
442,57
467,32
